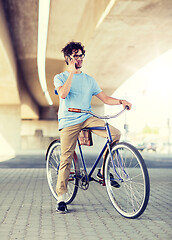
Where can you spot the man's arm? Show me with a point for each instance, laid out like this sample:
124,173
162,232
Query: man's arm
65,89
112,101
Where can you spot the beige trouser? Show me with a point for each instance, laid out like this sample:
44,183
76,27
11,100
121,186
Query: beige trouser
68,138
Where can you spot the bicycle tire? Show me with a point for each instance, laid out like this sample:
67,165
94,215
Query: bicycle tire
52,165
131,198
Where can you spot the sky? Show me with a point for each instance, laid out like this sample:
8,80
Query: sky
150,92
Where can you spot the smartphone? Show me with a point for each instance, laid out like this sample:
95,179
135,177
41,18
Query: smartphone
68,59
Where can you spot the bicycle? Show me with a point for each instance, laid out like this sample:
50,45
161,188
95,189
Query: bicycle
123,164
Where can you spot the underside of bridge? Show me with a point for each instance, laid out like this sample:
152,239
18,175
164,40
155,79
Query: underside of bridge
120,37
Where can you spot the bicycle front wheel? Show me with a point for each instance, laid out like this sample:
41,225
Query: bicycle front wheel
127,180
52,168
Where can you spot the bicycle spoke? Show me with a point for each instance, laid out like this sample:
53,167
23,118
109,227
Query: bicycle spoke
132,196
52,165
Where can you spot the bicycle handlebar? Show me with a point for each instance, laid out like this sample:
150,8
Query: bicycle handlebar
95,115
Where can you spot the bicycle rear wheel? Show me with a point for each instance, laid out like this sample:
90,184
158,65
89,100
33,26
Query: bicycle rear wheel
52,167
129,170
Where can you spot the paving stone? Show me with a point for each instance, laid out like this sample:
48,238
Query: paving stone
28,210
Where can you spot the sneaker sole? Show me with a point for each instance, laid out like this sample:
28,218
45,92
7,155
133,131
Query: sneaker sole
61,212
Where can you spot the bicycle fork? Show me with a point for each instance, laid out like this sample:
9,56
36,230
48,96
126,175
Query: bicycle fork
119,160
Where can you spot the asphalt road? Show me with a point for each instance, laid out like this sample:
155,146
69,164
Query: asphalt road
38,161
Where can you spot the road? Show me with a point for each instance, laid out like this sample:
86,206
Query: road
37,160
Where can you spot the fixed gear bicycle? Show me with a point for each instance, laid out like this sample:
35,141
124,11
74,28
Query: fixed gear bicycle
123,164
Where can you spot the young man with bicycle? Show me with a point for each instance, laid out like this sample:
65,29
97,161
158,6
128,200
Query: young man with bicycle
75,90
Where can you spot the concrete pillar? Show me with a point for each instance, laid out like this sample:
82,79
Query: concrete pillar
10,116
10,124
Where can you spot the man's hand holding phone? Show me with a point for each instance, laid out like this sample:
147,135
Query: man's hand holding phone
64,90
71,67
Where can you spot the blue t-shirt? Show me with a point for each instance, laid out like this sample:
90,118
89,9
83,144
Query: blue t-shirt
82,89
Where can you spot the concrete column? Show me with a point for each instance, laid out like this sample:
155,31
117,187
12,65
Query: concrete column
10,124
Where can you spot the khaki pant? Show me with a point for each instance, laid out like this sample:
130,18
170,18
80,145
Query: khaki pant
68,138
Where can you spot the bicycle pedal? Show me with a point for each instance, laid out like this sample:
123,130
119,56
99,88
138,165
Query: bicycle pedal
101,182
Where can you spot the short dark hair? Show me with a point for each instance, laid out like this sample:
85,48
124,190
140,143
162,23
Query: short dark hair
72,46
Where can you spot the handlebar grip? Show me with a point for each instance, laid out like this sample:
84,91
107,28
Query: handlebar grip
74,110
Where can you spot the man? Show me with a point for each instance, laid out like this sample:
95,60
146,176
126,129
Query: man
75,90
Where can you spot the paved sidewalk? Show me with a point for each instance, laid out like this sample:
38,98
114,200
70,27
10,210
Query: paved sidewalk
27,210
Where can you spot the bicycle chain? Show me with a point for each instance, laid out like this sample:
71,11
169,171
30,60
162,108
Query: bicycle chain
83,180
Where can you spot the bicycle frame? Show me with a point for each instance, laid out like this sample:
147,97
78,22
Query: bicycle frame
98,158
107,144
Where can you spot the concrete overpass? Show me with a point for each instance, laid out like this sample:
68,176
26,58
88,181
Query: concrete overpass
120,37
